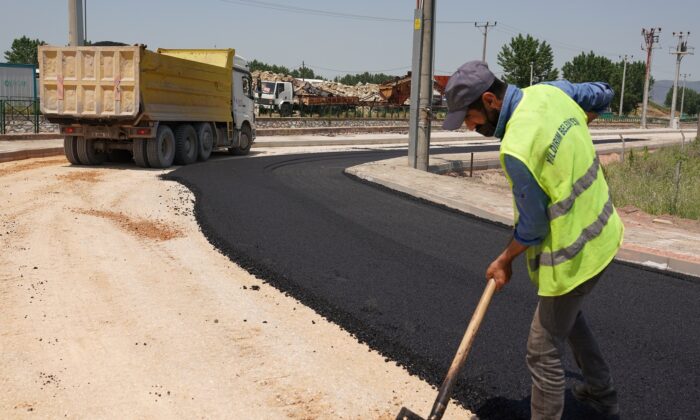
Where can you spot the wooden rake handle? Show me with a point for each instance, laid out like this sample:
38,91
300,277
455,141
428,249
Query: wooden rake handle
446,388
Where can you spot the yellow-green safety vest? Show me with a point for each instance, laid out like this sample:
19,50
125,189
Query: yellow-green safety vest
548,132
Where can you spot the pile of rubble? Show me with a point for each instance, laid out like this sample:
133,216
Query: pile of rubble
365,92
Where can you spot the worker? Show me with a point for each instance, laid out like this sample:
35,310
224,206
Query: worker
565,221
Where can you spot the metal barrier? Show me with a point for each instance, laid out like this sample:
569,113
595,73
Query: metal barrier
352,111
14,110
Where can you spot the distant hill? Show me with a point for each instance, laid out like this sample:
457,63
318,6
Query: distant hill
661,87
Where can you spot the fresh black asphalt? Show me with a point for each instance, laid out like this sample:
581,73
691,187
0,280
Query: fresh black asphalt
404,276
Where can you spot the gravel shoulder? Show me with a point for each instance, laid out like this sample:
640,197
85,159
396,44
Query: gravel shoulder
116,306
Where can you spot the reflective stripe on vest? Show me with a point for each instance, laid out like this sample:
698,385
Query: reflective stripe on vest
587,234
560,208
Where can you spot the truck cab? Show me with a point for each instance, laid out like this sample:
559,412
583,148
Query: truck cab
276,96
243,104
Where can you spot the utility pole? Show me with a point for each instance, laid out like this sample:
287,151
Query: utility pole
685,75
486,26
421,85
532,67
84,21
622,90
680,52
75,23
650,38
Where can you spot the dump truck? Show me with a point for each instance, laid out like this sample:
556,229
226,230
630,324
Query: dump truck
157,108
277,96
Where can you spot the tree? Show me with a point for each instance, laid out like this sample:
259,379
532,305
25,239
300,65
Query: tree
366,77
634,85
24,51
259,65
596,68
588,68
691,102
516,58
305,73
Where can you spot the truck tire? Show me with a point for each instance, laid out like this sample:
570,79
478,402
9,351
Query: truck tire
139,152
245,141
206,141
286,110
186,147
88,153
70,148
161,150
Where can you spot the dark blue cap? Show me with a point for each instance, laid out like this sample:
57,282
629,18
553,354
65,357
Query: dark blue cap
465,86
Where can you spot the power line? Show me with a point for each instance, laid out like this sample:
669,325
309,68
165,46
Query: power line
357,71
328,13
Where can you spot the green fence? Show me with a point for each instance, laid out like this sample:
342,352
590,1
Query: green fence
13,110
364,111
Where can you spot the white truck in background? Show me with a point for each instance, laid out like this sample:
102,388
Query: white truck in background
276,96
159,108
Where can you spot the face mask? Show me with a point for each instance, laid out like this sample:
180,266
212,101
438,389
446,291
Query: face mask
488,129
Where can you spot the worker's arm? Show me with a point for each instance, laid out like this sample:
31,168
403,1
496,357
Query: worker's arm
592,97
533,222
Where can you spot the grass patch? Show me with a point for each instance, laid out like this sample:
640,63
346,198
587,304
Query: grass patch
648,180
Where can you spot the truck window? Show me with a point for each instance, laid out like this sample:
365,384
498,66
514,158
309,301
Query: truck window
268,88
280,87
246,86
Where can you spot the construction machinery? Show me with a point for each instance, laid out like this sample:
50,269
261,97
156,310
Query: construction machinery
159,108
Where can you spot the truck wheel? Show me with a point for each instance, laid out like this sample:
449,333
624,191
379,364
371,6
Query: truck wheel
139,152
286,110
245,141
70,148
206,141
161,150
186,149
88,153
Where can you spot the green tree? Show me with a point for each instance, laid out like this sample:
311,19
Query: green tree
366,77
259,65
588,68
691,102
634,85
24,51
305,73
523,51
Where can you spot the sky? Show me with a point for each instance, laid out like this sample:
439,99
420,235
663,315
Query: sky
334,38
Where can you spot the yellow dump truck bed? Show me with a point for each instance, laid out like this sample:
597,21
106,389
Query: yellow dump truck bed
122,82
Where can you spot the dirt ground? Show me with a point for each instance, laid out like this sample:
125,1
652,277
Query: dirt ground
114,305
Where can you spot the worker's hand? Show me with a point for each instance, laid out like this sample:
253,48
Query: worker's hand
500,270
591,116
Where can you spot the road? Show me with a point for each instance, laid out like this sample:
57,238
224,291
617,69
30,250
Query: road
404,276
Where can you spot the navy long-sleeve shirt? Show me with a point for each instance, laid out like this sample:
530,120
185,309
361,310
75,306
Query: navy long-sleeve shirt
530,200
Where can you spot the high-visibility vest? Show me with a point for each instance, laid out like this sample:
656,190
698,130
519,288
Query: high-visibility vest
548,132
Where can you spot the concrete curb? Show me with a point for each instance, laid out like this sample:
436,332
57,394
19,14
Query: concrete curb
30,154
